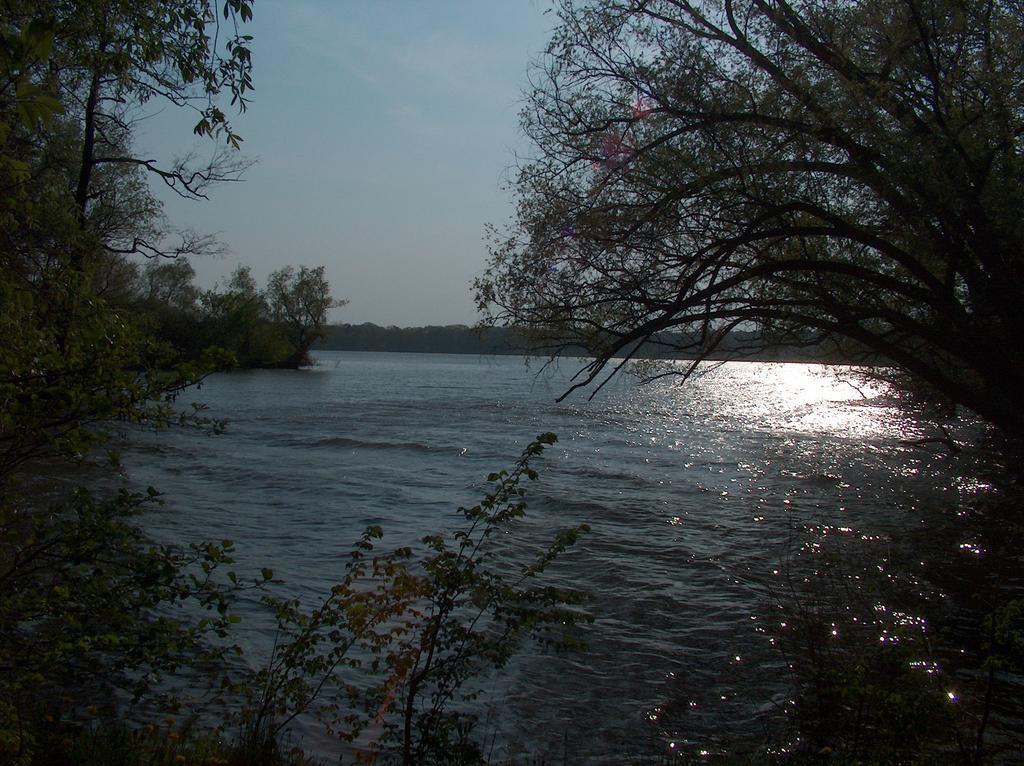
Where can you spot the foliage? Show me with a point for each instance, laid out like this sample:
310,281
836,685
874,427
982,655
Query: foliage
169,283
84,593
846,175
429,629
862,697
78,75
92,742
21,48
476,616
90,609
147,51
74,203
236,318
299,301
89,606
273,327
63,381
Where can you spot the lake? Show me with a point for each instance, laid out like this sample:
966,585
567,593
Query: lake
707,502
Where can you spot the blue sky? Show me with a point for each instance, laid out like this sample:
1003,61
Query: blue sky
384,133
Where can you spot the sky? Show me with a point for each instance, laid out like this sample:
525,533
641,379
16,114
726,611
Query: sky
384,134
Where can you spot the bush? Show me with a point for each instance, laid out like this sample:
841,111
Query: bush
424,631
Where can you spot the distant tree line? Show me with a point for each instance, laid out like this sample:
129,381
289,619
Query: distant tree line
462,339
447,339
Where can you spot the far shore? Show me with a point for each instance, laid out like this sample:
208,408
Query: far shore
505,341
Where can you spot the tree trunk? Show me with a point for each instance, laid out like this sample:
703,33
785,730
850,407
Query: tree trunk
88,149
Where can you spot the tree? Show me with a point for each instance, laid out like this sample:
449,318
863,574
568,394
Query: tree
170,283
116,56
300,302
84,591
73,77
236,317
104,62
840,174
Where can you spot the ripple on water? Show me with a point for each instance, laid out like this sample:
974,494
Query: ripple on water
695,495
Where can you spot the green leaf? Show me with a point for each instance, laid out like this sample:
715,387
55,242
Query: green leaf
38,39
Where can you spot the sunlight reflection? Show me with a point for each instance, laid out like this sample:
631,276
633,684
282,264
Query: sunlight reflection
789,396
929,667
973,548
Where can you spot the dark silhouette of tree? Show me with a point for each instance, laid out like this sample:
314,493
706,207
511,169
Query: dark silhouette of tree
300,301
840,174
235,317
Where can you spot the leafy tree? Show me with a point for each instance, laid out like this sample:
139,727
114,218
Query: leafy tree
846,175
81,586
170,283
103,61
272,328
236,317
26,103
299,301
73,202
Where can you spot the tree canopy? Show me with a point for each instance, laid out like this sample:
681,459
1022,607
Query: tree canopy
299,301
271,328
844,174
83,588
75,203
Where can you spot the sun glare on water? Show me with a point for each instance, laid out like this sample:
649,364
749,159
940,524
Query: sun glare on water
793,397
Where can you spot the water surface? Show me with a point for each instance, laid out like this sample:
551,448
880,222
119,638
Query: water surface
699,498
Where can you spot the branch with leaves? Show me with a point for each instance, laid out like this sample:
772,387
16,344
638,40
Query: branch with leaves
431,628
